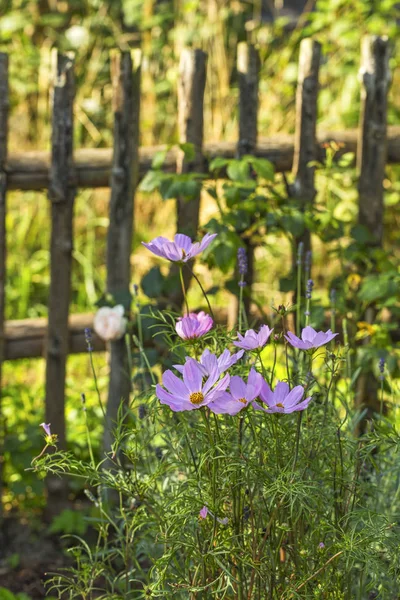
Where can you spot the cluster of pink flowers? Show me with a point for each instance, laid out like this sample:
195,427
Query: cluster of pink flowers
204,382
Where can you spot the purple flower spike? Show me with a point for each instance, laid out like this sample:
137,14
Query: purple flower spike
190,393
253,340
241,394
46,428
282,400
193,325
181,249
310,338
209,361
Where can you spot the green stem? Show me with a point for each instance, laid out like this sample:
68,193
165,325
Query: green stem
298,296
240,307
96,386
298,433
202,290
183,288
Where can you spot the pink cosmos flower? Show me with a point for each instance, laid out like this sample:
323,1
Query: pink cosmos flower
282,400
209,361
253,340
190,393
310,338
240,394
181,249
193,325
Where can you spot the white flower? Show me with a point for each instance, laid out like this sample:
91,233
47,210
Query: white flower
109,323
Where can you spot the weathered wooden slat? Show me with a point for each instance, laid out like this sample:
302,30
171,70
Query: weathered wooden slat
371,163
3,191
61,196
371,152
305,146
191,86
26,338
92,166
125,73
248,67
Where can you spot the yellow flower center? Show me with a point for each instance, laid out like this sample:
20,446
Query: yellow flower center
243,400
196,397
280,405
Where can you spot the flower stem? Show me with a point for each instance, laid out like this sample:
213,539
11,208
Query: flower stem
240,307
202,290
183,288
298,433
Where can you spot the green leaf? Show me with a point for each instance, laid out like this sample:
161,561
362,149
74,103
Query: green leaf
264,168
69,521
218,163
238,170
6,594
188,150
151,181
287,284
361,234
152,283
346,160
158,159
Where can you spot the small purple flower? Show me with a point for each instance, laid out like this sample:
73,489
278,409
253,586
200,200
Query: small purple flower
242,266
203,513
190,393
193,325
181,249
310,285
300,250
310,338
381,368
282,400
241,394
321,545
88,339
46,428
253,340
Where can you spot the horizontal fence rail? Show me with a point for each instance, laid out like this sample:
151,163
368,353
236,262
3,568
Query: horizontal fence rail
92,166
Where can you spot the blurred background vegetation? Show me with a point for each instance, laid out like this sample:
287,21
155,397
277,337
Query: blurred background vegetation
29,29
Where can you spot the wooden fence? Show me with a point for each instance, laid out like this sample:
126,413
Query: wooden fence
64,170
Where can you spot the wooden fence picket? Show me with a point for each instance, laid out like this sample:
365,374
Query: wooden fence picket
191,86
125,74
61,196
305,146
3,190
248,67
371,163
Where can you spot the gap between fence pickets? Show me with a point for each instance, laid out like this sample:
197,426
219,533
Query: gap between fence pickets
92,166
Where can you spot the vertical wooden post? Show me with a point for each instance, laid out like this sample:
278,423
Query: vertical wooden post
61,195
305,148
372,151
191,86
371,161
125,74
3,189
248,67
